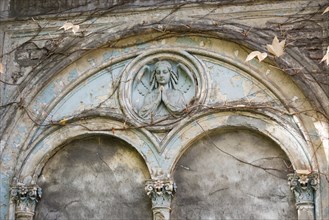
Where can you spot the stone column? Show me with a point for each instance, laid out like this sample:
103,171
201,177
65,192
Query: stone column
161,192
304,184
25,198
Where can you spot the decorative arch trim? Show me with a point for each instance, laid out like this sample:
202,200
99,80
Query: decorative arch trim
284,135
43,148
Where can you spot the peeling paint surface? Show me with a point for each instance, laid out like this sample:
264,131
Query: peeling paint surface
96,91
91,85
228,85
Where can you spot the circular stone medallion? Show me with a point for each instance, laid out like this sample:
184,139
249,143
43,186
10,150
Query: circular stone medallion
159,87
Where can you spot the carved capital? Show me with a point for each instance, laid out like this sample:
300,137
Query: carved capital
25,198
303,184
161,193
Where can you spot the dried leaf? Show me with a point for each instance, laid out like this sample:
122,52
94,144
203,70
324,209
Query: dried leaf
295,98
1,68
325,11
326,57
63,121
259,55
276,48
75,28
69,25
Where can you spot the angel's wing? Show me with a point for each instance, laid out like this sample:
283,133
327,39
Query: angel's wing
185,78
142,80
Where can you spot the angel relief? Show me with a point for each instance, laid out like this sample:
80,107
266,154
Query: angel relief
164,91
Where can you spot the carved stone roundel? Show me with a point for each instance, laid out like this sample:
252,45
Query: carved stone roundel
159,86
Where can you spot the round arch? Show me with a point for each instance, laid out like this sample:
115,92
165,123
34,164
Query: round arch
289,140
44,147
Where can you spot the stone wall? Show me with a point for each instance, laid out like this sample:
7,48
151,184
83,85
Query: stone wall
162,94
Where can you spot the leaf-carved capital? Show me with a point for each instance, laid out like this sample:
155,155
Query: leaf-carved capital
303,184
25,196
160,191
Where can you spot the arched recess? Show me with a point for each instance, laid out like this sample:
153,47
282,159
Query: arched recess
233,174
49,143
95,177
283,135
286,137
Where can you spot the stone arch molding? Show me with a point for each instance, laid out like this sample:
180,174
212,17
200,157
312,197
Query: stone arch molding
174,144
45,146
286,137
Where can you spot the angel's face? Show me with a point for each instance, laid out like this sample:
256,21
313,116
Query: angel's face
162,74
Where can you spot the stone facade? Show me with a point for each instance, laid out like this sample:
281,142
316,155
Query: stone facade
148,109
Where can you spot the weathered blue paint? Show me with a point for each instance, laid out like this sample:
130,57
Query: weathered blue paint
231,84
110,55
4,195
166,161
6,158
72,75
142,46
19,133
187,41
89,94
44,98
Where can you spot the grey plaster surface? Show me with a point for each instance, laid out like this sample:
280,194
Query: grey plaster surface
51,75
94,178
233,175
